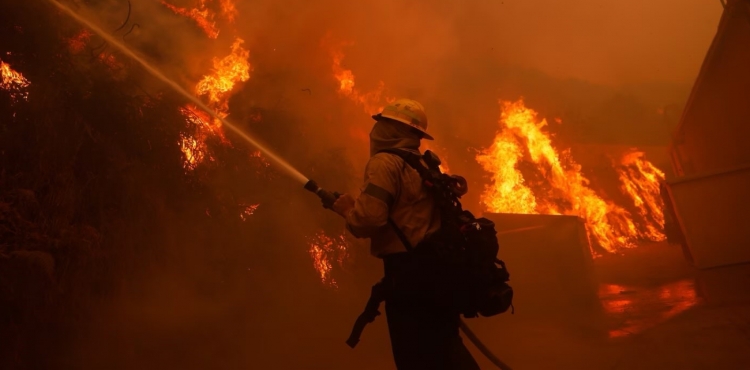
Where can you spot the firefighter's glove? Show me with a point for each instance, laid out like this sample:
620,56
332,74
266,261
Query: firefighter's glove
344,204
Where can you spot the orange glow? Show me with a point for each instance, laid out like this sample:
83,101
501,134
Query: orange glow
640,180
325,251
13,82
563,189
78,42
638,308
201,15
228,10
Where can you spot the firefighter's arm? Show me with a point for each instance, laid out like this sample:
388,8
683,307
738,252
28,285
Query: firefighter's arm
369,212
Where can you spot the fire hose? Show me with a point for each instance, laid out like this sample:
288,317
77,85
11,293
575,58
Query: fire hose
378,295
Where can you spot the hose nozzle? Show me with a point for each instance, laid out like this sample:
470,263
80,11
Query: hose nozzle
327,197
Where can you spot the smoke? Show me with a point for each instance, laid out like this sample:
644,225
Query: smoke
208,290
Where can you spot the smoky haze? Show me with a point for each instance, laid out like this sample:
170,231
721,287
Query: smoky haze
216,294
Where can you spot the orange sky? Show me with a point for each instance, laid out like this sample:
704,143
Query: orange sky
608,41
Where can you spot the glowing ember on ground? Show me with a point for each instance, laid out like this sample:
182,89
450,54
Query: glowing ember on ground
201,15
562,188
13,82
248,211
325,251
640,179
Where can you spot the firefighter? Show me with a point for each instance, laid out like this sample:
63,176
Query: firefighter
422,323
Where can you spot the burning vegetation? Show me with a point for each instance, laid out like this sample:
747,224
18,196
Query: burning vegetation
326,252
13,82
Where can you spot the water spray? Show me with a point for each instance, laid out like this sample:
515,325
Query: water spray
158,74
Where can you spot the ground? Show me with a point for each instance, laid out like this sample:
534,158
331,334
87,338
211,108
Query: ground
657,313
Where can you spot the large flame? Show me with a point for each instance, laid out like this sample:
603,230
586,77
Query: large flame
13,82
325,251
561,188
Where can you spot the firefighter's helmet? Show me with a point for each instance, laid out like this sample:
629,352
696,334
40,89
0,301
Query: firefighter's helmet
406,111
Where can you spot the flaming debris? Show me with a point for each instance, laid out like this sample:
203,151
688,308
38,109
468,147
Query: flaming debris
562,188
640,181
13,82
326,250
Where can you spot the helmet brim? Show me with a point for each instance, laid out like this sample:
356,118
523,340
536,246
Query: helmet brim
425,135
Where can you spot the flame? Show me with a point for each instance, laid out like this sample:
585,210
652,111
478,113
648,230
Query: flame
228,10
562,188
13,82
640,180
226,73
371,101
193,146
201,15
217,87
194,151
326,250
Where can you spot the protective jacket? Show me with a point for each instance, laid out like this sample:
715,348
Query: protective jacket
392,188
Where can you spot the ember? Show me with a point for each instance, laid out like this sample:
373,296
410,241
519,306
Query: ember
326,250
78,42
218,86
13,82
